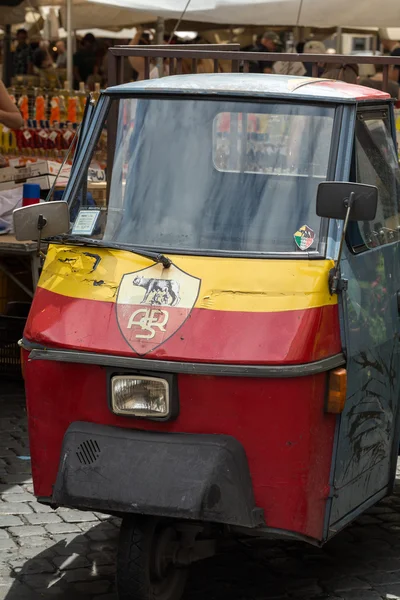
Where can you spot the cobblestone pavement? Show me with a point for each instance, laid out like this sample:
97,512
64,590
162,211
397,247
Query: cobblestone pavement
70,554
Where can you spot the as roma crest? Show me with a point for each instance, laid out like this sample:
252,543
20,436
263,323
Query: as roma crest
153,304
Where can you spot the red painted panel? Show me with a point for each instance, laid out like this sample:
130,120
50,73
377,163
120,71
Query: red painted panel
294,336
281,423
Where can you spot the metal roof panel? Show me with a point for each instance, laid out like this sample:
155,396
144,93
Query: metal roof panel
255,84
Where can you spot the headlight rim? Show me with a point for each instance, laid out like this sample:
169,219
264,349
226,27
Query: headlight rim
172,388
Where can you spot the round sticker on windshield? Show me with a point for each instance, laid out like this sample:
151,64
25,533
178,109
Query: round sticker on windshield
304,237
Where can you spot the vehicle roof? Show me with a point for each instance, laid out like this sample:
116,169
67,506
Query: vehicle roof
255,84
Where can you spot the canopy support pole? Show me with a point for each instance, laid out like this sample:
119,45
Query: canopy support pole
338,40
69,45
160,31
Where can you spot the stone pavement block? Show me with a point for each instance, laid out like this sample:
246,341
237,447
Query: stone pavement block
17,591
65,551
387,564
70,538
34,541
93,587
41,581
10,521
57,528
14,508
34,566
360,595
87,526
27,531
74,561
20,497
42,518
76,516
11,489
74,575
41,508
101,558
346,584
6,452
382,578
99,534
16,478
102,516
389,591
6,543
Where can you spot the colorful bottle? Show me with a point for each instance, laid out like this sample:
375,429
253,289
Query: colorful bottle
72,108
23,105
96,92
64,95
40,106
55,111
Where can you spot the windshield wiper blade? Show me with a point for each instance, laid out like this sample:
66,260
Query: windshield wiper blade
75,239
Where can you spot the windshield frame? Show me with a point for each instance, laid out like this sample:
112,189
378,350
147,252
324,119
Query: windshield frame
106,102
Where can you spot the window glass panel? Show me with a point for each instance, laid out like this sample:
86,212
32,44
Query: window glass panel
377,164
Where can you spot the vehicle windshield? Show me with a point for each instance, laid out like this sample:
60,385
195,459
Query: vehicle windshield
204,176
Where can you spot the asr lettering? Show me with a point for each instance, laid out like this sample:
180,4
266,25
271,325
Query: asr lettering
148,320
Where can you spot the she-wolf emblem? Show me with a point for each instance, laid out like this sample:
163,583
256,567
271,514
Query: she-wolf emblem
159,292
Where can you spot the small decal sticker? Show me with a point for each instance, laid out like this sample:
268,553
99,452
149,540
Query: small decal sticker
304,237
153,304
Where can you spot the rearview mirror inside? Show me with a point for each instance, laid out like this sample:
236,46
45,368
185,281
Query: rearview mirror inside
42,220
333,198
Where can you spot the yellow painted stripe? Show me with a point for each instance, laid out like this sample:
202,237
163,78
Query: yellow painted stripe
229,284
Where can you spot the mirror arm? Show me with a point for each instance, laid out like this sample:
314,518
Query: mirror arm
335,273
41,224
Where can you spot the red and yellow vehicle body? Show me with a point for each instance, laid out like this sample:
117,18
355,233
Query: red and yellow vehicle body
279,314
253,340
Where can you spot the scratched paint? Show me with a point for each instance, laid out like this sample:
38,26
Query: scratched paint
367,423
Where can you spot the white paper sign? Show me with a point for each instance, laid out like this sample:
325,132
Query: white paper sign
85,222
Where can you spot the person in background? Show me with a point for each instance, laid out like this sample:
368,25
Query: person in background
347,73
85,60
313,47
61,62
376,81
137,62
393,48
269,42
42,60
22,59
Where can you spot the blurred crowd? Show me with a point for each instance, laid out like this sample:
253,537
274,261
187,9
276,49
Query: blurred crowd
35,56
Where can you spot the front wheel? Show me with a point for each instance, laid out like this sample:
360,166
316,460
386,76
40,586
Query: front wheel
146,568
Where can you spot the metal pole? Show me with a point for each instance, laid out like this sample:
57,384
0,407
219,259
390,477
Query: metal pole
160,31
339,40
69,45
7,58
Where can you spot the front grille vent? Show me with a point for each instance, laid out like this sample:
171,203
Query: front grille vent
88,452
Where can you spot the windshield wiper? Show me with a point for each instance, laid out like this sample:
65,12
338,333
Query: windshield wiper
75,239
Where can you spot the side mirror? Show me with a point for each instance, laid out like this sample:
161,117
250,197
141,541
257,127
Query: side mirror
333,200
37,221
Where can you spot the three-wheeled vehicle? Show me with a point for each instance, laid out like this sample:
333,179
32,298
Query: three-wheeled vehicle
216,351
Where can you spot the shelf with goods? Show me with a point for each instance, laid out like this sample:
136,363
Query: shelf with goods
51,118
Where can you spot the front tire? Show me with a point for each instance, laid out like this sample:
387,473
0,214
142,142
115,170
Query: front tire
145,563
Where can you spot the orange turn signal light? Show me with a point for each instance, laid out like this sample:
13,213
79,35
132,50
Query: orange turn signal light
337,388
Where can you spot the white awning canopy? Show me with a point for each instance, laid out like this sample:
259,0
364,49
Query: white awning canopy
313,13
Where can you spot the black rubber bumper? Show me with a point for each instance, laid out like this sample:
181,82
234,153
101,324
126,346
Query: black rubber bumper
186,476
